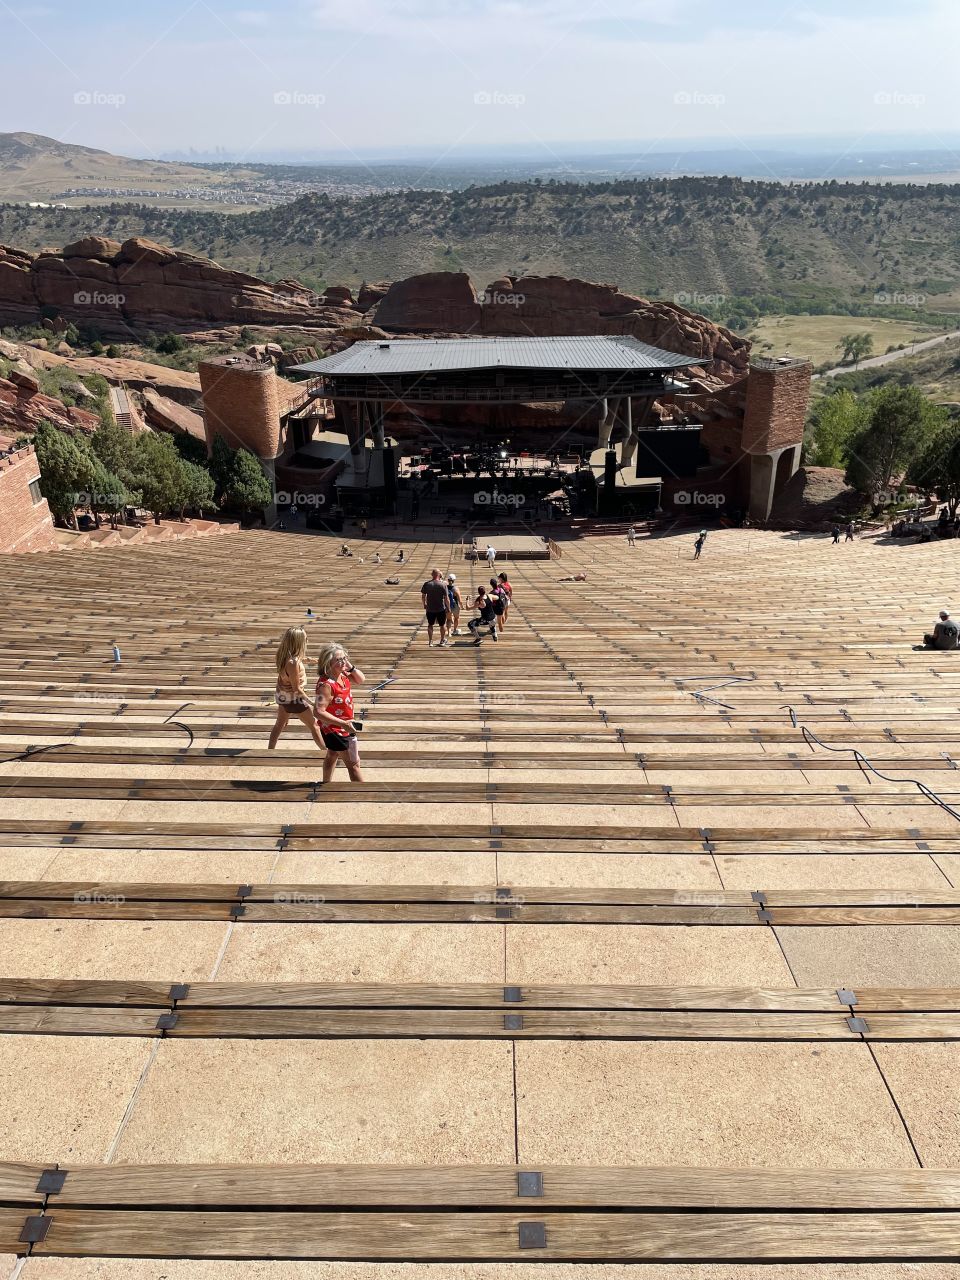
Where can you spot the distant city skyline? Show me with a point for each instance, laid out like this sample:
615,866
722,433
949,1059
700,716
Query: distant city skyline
342,78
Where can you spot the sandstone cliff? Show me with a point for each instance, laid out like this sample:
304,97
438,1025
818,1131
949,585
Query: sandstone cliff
545,306
119,288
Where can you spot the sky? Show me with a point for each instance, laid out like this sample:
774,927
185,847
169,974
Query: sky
447,76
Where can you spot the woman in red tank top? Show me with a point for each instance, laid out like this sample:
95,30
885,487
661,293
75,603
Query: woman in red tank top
334,710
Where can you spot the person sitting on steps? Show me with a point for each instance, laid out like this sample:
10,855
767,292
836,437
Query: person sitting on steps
945,633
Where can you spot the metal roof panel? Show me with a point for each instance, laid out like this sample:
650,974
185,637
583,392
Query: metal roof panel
452,355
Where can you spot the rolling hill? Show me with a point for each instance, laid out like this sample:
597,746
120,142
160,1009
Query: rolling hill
33,167
706,242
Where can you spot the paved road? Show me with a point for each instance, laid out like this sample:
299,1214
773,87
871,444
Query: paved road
873,361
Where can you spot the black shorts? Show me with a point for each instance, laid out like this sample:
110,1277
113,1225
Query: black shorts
434,616
336,741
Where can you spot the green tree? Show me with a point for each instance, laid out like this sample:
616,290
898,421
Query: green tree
169,344
834,420
247,486
937,468
197,487
158,473
900,424
66,471
117,450
854,346
108,494
221,464
191,449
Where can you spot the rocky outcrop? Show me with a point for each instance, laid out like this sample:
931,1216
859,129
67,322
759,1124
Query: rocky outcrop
437,300
545,306
118,289
164,414
23,407
370,293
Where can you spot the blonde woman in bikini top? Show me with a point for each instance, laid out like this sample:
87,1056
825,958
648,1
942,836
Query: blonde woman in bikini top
291,695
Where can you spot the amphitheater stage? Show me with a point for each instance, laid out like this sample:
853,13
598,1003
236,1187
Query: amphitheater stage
510,546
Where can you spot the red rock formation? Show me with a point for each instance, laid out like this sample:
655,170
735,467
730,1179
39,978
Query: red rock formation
23,408
544,306
118,288
424,304
164,414
371,292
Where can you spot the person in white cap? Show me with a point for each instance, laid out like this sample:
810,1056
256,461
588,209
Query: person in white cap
945,633
454,605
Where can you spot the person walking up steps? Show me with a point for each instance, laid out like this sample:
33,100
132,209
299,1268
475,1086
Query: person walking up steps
334,709
698,545
508,592
291,694
491,555
433,596
631,537
498,598
487,618
454,605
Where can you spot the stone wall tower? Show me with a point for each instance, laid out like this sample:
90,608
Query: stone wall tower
778,391
241,402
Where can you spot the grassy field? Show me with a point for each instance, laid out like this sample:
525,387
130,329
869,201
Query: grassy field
817,336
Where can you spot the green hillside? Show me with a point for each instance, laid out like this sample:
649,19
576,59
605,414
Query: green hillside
824,247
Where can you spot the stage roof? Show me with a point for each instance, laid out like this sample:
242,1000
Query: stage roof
434,355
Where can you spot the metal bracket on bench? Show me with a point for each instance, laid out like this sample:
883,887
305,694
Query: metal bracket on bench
37,1225
167,1021
759,896
179,991
51,1182
533,1235
846,996
708,845
529,1184
513,1022
857,1024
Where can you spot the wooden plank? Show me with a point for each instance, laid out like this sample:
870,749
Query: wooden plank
11,1224
864,915
483,1235
83,992
478,995
452,913
535,1024
912,1026
908,999
303,1186
71,1020
47,909
92,890
18,1183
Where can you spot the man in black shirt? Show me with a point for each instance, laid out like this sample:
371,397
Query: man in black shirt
433,595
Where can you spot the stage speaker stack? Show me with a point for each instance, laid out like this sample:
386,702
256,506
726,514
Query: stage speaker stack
390,476
608,494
